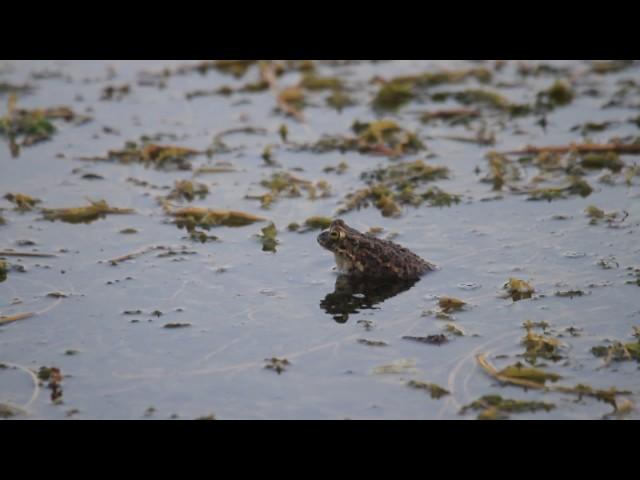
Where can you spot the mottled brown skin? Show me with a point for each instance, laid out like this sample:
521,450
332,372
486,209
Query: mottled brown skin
361,255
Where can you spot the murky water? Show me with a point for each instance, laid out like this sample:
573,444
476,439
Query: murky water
245,305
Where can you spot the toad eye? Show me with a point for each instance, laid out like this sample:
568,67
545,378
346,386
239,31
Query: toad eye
334,235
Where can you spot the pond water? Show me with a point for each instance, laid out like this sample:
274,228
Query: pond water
235,306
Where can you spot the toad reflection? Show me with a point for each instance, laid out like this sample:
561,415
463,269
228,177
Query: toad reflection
352,295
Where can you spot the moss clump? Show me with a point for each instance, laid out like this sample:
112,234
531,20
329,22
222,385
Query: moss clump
482,97
494,407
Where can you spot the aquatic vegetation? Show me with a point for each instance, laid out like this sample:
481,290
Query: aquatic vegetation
381,137
398,91
559,94
514,373
518,289
53,376
618,351
501,171
4,268
339,100
407,365
494,407
22,202
311,81
268,238
576,186
174,325
610,160
188,190
284,184
393,95
569,293
435,391
27,127
453,329
159,156
372,343
317,223
597,215
610,66
453,115
94,211
397,184
113,92
540,346
279,365
450,304
437,339
193,217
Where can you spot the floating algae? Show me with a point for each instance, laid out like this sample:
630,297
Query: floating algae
268,238
21,201
188,190
206,218
279,365
435,391
518,289
494,407
97,209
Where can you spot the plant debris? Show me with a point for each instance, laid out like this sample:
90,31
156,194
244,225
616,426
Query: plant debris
22,202
277,364
540,346
399,184
96,209
450,304
159,156
268,238
399,366
4,319
192,217
518,289
27,127
436,391
494,407
52,375
372,343
176,325
188,190
437,339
